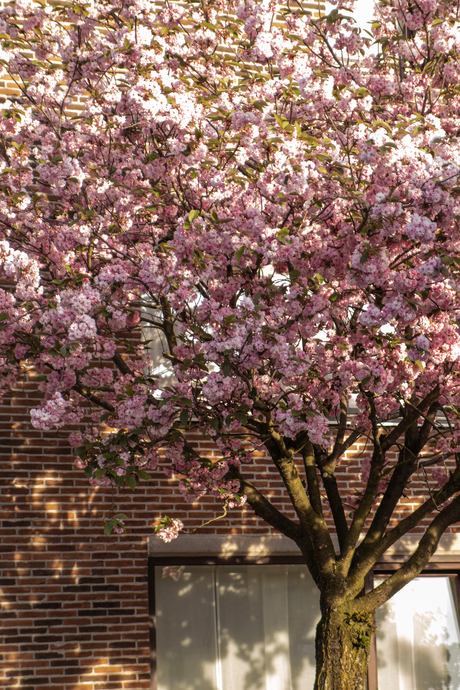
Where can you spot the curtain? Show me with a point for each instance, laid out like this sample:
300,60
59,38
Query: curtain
245,627
418,638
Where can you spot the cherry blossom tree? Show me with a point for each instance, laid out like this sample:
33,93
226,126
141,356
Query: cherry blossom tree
277,195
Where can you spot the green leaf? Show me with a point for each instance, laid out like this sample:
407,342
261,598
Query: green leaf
280,120
226,369
419,365
120,516
259,105
132,481
143,475
241,417
239,253
184,417
193,214
108,527
282,234
380,123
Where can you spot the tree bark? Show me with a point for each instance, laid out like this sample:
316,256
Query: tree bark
342,649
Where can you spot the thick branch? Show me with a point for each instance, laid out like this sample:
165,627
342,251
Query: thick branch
427,426
311,522
121,364
168,324
419,559
308,455
333,496
370,493
365,558
338,513
406,463
266,510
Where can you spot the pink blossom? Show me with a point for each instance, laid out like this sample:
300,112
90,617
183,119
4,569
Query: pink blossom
83,328
420,228
440,475
170,529
423,343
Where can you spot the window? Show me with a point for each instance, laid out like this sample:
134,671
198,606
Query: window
223,627
157,344
242,620
418,639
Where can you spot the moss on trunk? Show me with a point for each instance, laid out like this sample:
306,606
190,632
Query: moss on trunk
342,650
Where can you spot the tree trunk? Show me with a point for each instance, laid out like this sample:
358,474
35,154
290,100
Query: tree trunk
342,650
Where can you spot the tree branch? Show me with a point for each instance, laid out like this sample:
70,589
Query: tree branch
338,513
370,493
93,398
410,418
311,522
339,450
415,564
121,364
266,510
397,483
308,455
365,558
342,425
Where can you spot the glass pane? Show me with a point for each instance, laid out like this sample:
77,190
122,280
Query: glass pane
304,615
418,638
265,618
240,626
186,630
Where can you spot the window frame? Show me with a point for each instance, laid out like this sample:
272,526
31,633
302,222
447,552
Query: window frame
154,561
442,566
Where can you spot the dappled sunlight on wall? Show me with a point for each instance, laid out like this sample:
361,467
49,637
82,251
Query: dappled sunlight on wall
74,603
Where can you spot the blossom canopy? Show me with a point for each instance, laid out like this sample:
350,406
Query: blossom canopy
270,192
